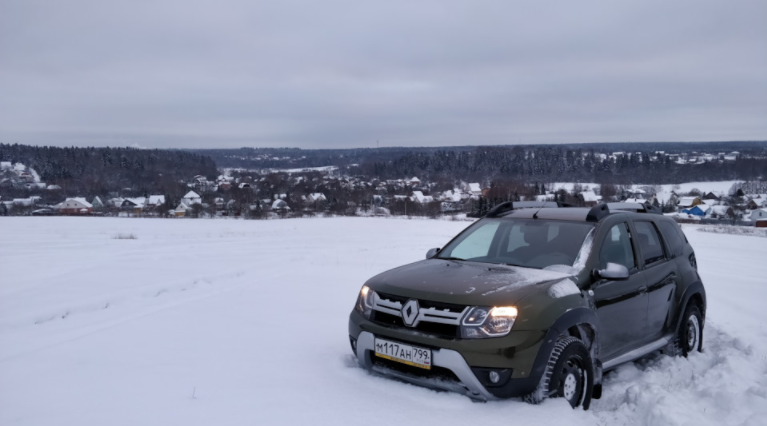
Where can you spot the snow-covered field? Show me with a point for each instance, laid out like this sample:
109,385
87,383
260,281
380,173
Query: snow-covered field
230,322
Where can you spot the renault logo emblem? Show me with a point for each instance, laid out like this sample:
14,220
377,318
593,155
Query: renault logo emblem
410,313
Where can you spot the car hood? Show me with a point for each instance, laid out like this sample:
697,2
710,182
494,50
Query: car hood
463,282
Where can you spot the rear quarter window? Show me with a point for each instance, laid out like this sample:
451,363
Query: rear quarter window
673,236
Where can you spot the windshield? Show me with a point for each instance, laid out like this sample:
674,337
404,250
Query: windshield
532,243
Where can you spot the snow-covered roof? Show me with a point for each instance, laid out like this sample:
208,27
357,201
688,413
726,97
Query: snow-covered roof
474,187
23,201
154,200
191,194
80,200
138,202
686,201
279,204
590,196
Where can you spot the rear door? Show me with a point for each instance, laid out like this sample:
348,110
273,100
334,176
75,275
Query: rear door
621,305
659,249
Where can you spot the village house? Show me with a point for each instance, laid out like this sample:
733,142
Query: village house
758,215
191,197
720,212
590,198
315,198
77,205
133,205
181,209
96,203
154,201
279,205
688,203
756,203
418,197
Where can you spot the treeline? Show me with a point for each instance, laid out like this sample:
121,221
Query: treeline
561,164
528,163
99,171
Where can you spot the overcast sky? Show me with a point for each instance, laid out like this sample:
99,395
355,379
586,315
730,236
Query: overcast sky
335,74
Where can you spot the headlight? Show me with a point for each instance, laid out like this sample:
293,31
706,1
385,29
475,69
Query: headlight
483,322
365,301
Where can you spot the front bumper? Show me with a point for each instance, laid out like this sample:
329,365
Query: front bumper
468,383
467,361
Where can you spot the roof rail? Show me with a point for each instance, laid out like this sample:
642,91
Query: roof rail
603,209
597,212
635,207
515,205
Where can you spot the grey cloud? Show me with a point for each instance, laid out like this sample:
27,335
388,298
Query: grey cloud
345,74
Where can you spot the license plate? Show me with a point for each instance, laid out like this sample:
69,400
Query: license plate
406,354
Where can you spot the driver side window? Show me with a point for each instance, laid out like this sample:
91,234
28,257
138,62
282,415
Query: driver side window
616,248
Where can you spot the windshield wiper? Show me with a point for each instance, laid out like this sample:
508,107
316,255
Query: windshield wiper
450,258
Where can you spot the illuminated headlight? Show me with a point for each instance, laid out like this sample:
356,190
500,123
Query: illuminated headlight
365,301
481,322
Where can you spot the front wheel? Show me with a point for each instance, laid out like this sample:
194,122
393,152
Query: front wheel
569,375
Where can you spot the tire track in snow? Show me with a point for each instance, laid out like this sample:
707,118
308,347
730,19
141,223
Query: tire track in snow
90,329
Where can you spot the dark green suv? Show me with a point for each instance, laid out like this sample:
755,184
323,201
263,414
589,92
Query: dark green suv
534,300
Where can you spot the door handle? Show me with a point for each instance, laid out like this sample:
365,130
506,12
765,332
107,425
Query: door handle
642,289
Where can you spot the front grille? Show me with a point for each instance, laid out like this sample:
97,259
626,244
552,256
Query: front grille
447,331
435,318
437,373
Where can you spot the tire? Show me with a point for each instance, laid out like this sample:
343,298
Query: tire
569,374
690,334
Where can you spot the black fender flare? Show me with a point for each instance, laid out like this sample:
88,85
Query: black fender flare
565,321
696,288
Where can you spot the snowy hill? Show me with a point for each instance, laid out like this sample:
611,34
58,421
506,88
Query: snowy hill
224,322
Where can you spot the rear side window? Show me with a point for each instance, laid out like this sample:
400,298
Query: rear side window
673,238
649,241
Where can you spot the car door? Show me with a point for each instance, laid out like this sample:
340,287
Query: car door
621,305
659,270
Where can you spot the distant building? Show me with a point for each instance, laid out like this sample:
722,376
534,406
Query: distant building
758,215
688,203
96,203
77,205
191,197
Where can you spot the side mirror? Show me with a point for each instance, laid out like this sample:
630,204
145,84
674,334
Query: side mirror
613,271
432,252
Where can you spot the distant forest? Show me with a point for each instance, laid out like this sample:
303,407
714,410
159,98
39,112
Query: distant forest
526,163
99,171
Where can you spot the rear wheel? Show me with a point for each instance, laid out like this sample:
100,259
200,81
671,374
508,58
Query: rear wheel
569,375
690,333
